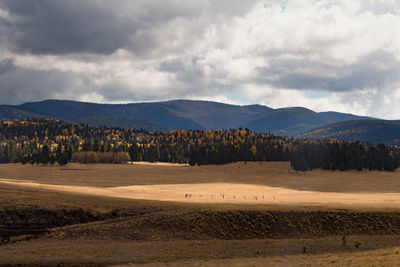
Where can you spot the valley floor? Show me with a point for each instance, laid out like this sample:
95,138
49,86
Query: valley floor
42,223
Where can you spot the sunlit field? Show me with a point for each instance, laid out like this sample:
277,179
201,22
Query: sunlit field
248,214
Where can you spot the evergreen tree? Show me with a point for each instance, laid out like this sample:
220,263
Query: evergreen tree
44,156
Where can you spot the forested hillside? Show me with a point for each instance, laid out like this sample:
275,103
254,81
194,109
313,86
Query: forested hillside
178,115
121,122
374,131
47,141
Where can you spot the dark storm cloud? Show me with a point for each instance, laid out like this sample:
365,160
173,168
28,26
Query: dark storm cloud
57,26
96,26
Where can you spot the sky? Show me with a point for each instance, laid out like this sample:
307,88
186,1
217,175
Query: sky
325,55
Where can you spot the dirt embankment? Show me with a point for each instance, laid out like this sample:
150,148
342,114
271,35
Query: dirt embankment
16,222
196,224
150,235
236,225
272,224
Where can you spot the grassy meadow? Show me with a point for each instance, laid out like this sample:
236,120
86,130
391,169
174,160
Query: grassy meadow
53,227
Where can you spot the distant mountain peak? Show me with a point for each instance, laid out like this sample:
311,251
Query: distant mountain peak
181,114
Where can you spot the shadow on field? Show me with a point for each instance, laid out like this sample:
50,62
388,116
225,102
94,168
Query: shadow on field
195,224
147,234
237,225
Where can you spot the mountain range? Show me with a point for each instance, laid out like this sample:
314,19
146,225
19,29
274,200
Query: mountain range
179,114
373,131
200,115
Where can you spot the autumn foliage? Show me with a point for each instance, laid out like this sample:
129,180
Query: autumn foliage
48,141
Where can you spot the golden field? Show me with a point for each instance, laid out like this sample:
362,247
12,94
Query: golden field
250,214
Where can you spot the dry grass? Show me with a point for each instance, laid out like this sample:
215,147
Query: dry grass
203,234
378,251
270,184
228,193
380,257
268,173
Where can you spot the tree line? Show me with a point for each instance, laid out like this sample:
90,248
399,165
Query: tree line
334,155
49,141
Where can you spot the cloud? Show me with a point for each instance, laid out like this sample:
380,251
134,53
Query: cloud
272,52
20,84
378,69
6,65
60,27
98,26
